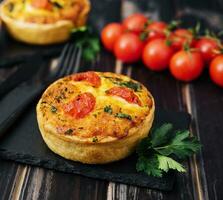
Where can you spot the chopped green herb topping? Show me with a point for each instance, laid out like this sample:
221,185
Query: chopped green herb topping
132,85
123,115
112,79
94,139
10,7
53,109
69,132
57,5
129,84
108,109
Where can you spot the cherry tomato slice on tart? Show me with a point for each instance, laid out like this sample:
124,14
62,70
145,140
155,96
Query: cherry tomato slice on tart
91,77
124,93
82,105
42,4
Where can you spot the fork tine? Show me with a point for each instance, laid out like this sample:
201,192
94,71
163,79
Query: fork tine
77,61
65,65
69,60
63,54
61,60
72,59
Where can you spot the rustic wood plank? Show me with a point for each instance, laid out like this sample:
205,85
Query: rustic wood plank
205,103
7,175
167,94
47,184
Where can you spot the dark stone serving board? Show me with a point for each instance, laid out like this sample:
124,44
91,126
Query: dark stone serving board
23,143
13,51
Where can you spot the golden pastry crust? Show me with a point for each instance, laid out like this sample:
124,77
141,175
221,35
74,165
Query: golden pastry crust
40,26
109,132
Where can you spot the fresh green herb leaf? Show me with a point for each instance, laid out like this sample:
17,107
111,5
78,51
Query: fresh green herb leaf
108,109
123,115
84,38
157,152
79,29
149,165
132,85
69,132
129,84
94,139
53,109
167,163
144,146
161,135
181,145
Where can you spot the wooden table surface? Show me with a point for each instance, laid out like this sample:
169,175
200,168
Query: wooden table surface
202,99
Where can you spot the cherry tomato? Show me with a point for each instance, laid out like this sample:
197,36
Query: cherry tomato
216,70
124,93
186,65
44,4
90,77
156,30
82,105
157,54
180,37
135,22
207,47
128,47
110,34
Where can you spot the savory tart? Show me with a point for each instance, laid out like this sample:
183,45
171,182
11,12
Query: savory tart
43,21
95,117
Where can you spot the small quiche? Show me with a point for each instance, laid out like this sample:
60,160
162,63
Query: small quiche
43,21
95,117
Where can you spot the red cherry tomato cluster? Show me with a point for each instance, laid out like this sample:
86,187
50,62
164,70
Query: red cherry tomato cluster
161,46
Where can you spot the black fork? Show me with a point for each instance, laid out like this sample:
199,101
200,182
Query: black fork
69,60
15,102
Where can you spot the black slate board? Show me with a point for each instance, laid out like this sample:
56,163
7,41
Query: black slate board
23,143
15,52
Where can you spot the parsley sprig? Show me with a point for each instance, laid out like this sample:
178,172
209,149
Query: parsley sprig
85,38
159,152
